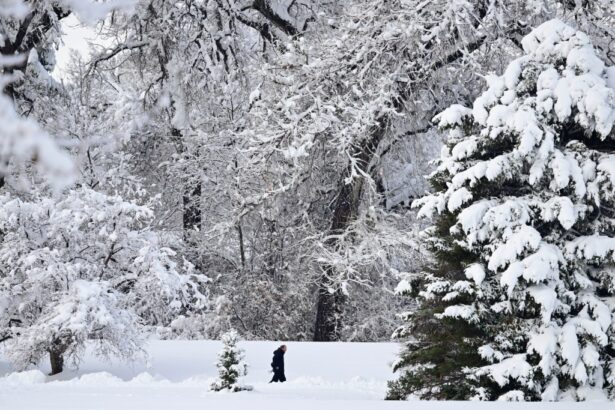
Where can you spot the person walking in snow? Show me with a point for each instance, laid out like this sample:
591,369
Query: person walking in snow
278,365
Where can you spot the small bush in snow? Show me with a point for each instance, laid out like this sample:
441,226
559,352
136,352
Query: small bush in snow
230,365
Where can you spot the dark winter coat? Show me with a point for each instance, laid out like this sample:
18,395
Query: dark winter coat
278,366
278,360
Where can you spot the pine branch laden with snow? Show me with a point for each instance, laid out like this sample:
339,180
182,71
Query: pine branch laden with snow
85,266
231,366
524,201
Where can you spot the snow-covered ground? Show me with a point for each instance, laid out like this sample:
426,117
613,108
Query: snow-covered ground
343,376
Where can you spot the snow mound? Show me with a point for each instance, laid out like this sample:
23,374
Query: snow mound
28,377
97,379
145,379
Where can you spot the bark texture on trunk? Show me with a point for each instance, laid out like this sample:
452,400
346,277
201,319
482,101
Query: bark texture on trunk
56,358
192,209
330,303
329,313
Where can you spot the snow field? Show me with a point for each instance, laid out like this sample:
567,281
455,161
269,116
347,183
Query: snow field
180,372
177,375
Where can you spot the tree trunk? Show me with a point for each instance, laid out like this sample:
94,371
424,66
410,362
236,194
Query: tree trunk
329,307
242,252
192,223
329,311
56,358
192,209
191,198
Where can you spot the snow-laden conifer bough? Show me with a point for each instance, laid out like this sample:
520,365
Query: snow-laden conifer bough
523,280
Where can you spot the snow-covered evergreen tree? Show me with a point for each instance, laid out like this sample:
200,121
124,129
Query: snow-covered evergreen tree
231,365
518,304
84,266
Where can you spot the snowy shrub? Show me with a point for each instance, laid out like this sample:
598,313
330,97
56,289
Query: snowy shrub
86,310
84,266
230,365
518,304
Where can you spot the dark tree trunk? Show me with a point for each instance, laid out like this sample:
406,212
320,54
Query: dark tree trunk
329,307
191,198
242,252
273,251
192,223
56,359
329,311
192,209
